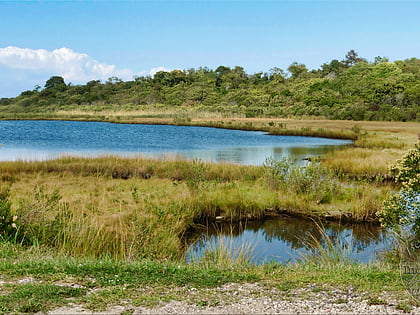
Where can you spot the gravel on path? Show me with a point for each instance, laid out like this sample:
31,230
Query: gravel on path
255,298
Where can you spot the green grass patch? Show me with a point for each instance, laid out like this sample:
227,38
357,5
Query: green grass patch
33,298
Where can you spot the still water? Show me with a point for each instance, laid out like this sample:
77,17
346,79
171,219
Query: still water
285,239
279,239
41,140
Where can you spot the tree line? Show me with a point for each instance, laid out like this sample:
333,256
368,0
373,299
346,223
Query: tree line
350,89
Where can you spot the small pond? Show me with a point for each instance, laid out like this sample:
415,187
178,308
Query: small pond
41,140
284,239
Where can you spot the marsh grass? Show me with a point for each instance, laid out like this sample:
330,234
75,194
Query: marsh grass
135,207
137,167
77,206
233,201
316,132
102,218
325,250
362,163
378,144
224,251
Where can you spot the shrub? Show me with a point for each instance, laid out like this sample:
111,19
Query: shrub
314,181
401,211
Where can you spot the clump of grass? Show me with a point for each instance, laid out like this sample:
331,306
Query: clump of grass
365,200
325,250
37,215
121,172
224,252
182,120
196,179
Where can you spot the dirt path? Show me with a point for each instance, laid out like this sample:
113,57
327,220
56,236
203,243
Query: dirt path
258,299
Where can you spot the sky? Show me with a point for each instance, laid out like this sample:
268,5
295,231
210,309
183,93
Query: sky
97,39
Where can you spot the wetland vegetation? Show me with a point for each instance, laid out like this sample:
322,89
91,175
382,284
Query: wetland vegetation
115,226
93,220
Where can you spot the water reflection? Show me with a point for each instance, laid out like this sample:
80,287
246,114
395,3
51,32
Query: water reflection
283,239
257,155
41,140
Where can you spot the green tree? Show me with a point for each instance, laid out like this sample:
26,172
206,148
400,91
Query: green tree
379,59
334,67
55,83
278,75
297,70
352,58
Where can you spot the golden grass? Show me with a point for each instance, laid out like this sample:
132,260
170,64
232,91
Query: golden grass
363,163
99,214
160,112
120,218
156,114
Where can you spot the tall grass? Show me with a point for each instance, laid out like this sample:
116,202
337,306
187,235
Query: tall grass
90,206
224,251
325,250
362,163
101,218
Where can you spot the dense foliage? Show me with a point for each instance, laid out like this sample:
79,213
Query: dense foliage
402,209
351,89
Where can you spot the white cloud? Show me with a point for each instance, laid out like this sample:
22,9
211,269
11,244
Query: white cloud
23,68
153,71
69,64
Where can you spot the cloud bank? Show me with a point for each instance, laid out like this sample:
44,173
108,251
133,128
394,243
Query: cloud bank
23,68
71,65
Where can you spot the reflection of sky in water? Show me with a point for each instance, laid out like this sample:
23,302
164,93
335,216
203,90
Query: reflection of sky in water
257,155
40,140
276,239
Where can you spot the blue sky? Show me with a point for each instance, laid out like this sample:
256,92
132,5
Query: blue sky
85,40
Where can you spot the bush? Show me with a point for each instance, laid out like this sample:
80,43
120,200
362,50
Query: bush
314,181
401,211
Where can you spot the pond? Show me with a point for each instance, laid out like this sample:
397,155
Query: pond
41,140
285,239
277,239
